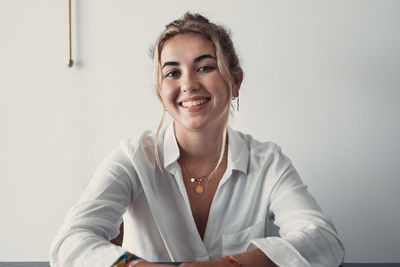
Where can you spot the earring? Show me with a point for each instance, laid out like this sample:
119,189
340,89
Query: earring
237,102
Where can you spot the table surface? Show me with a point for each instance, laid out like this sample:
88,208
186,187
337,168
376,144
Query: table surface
46,264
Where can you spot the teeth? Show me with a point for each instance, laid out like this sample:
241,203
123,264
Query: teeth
189,104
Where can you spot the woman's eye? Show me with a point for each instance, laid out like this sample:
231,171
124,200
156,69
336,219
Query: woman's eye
172,74
205,69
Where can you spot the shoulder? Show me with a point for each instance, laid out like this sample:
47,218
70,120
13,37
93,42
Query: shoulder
268,165
131,145
263,156
121,162
123,154
258,148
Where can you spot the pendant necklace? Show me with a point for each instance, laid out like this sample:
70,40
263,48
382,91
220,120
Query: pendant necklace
199,189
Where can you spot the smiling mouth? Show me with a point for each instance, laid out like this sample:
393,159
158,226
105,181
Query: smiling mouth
189,104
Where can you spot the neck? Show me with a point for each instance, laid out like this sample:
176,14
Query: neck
202,146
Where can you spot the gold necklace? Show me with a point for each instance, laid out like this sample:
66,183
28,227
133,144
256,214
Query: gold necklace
199,189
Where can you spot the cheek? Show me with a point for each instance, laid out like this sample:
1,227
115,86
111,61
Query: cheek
222,89
168,95
218,84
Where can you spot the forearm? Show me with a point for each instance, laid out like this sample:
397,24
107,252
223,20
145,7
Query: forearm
82,249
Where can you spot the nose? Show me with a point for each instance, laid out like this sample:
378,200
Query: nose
189,82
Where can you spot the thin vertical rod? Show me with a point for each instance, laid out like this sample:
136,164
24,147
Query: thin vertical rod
70,61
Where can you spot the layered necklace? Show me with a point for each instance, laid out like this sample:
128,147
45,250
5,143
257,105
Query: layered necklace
199,189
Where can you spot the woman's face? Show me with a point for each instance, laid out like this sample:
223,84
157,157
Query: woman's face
192,89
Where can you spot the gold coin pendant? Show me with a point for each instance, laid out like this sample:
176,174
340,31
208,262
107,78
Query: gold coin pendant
199,189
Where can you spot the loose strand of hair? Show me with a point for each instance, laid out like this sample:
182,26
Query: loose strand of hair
157,155
223,144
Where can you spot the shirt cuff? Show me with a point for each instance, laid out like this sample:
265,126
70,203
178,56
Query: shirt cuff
281,252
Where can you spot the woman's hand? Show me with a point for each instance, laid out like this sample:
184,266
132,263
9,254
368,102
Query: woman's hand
253,258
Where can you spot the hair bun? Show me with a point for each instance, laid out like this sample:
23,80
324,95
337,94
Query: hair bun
195,17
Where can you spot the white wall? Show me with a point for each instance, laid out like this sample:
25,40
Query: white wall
322,80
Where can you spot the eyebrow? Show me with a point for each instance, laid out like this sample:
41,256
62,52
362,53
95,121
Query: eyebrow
196,60
200,58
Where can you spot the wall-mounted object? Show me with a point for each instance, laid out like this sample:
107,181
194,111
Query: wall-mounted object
70,61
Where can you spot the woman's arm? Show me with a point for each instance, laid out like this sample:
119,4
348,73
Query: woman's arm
94,220
307,236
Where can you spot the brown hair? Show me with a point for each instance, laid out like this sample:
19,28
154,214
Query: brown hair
227,61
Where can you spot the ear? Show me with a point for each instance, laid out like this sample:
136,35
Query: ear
238,75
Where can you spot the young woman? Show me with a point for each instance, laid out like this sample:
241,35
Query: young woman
197,192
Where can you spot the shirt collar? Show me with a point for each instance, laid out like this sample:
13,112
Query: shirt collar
238,152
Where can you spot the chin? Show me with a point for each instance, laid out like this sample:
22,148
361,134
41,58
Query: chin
195,127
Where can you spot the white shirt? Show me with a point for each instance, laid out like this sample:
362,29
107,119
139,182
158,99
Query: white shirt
259,186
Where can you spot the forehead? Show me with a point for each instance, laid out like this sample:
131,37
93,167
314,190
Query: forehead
186,46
